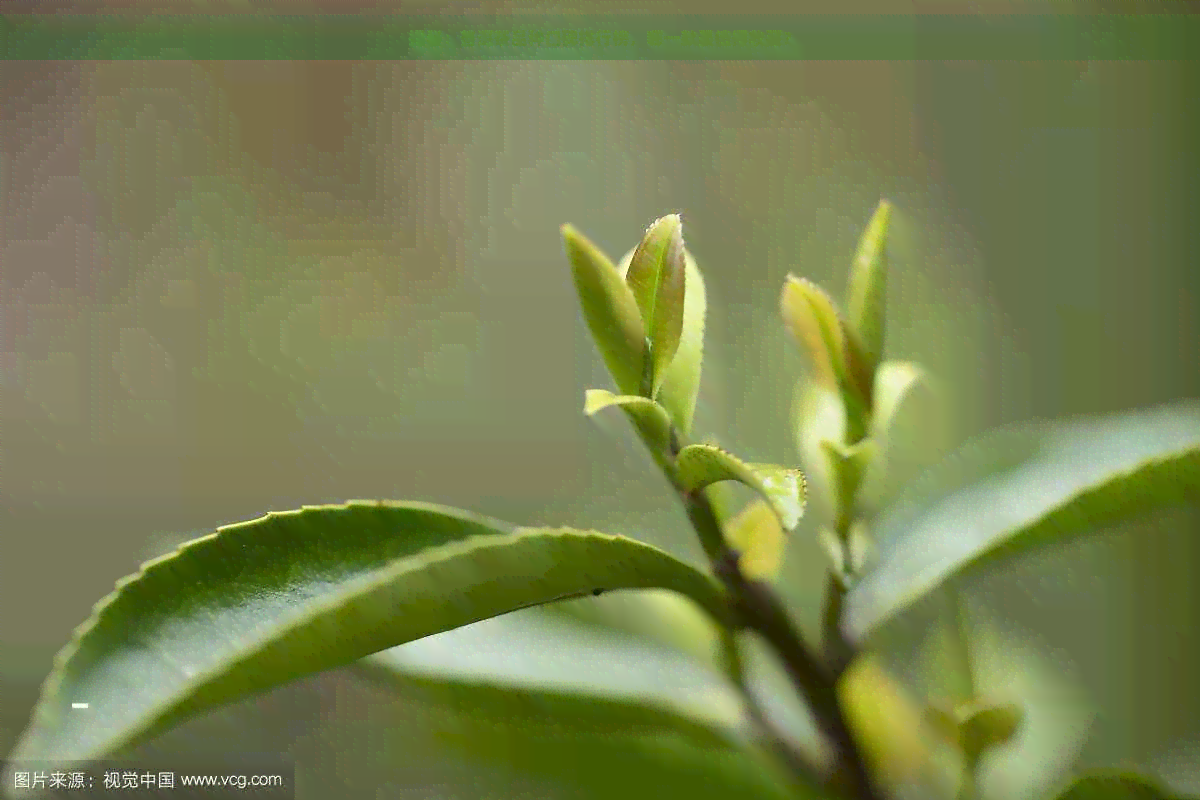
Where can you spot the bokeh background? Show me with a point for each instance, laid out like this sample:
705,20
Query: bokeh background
235,287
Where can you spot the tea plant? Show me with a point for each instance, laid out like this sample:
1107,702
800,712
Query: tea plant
261,603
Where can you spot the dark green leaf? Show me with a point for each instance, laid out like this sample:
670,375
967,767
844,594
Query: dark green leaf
260,603
1033,486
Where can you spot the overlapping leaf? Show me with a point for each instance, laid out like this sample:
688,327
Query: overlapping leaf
681,381
657,278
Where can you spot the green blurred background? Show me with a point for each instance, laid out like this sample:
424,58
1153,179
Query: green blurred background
236,287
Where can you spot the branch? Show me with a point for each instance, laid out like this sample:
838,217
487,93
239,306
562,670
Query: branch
763,612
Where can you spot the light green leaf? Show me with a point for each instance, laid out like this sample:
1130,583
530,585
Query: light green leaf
647,416
848,465
657,276
908,424
681,382
896,737
893,382
699,465
818,415
260,603
813,320
866,301
1116,786
591,746
755,532
1046,485
610,310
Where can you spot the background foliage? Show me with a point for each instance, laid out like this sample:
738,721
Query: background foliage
230,288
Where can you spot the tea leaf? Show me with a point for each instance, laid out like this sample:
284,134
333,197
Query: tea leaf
647,416
1033,486
866,301
681,380
657,278
598,746
811,317
610,310
848,465
894,381
260,603
699,465
756,534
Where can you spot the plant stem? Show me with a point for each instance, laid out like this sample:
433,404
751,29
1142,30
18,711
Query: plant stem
780,743
838,651
762,611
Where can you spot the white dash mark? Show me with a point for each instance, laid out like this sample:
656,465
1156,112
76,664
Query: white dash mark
79,705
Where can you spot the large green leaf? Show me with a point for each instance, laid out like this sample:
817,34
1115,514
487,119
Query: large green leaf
582,745
681,382
1116,786
260,603
1029,487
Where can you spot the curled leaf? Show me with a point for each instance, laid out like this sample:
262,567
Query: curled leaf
657,278
699,465
610,310
681,380
866,302
647,416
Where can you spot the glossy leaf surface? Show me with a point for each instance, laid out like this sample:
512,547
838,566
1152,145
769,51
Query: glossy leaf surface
260,603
